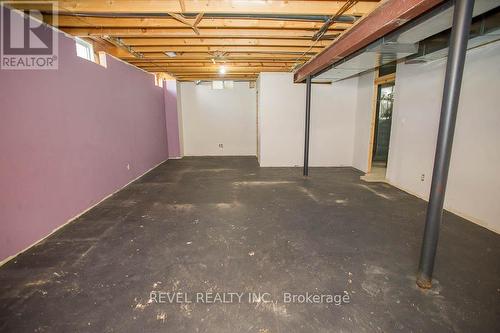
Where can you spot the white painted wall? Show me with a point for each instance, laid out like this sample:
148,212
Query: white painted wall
332,123
363,112
211,117
474,181
282,117
281,120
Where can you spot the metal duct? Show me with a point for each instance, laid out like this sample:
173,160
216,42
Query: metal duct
285,17
406,41
484,29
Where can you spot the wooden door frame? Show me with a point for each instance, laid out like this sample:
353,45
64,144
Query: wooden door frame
379,80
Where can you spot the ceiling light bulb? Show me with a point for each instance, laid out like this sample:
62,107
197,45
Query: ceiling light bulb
171,54
222,70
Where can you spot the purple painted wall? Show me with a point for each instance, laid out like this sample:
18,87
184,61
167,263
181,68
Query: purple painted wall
171,114
66,138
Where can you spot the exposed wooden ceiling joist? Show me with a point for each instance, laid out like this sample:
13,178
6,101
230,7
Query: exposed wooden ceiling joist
316,7
193,63
215,75
228,57
204,33
200,35
101,45
236,78
222,42
209,78
199,76
167,22
215,69
233,49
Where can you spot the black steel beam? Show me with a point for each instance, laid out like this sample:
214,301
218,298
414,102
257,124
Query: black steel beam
308,123
462,18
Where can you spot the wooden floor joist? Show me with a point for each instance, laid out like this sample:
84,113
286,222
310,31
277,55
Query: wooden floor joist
313,7
291,56
210,64
204,33
232,49
215,69
222,42
198,36
86,21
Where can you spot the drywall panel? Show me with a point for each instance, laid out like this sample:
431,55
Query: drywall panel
258,92
179,119
474,181
332,123
70,137
282,119
211,117
363,118
172,119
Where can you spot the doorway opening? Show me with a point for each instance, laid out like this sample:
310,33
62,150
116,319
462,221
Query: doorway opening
381,123
383,118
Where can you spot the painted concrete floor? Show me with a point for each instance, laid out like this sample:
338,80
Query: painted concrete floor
376,175
207,225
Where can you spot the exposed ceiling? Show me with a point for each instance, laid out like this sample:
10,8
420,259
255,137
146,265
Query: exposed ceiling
424,39
246,37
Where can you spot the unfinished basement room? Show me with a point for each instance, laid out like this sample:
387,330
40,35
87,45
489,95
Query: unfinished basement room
256,166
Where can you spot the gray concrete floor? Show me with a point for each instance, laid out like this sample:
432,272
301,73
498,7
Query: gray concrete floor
226,225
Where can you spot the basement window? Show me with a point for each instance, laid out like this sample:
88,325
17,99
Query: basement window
84,50
219,85
387,69
216,85
158,80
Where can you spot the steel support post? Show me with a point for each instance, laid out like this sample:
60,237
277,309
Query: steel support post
453,80
308,123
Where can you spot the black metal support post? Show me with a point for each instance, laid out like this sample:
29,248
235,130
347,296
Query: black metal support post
308,121
453,80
